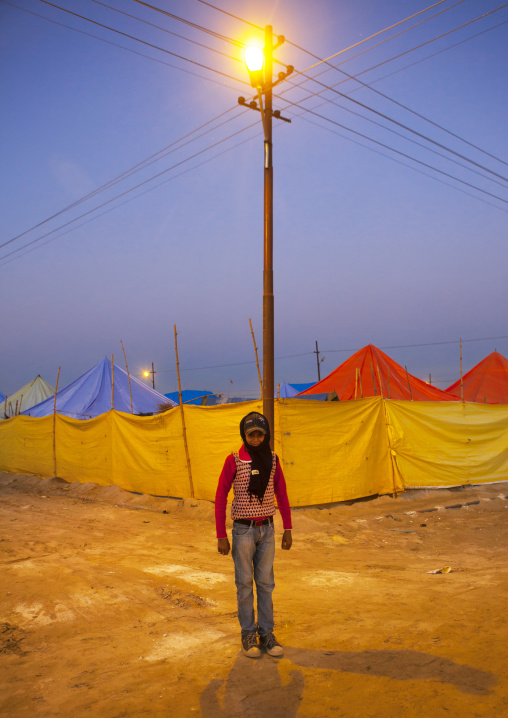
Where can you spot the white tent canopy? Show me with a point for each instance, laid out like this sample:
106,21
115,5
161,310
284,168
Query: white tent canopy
26,397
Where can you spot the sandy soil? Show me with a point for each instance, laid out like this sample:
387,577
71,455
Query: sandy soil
114,604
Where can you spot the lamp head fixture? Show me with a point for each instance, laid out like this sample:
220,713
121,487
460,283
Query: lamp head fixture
254,59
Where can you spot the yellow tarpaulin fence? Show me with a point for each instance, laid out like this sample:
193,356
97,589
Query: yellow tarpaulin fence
330,451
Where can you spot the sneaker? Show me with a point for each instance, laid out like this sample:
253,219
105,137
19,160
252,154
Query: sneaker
271,645
250,646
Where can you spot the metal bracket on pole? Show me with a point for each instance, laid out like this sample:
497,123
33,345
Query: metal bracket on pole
252,105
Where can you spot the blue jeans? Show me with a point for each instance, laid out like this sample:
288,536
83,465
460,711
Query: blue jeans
253,554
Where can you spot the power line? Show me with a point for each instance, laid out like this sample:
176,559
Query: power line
400,124
192,24
407,139
94,209
169,32
434,54
133,170
233,16
122,47
399,152
426,344
335,351
140,194
428,42
400,104
371,37
144,42
404,164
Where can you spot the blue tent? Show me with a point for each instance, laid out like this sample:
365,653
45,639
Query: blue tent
288,390
90,395
2,397
191,396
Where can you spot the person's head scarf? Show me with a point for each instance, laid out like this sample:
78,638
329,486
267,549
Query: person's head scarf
261,455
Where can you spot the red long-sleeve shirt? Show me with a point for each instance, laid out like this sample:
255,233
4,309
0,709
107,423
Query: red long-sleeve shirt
226,481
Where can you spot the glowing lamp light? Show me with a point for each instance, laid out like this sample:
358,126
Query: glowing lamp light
254,58
146,373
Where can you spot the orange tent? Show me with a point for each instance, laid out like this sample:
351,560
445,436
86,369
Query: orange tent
487,382
371,372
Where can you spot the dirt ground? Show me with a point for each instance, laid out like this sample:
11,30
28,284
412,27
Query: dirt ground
115,604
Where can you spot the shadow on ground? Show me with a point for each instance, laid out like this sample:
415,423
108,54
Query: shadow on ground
254,687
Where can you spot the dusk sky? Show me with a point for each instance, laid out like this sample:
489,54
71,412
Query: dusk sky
132,187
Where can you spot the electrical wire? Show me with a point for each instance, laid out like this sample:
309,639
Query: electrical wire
231,14
141,184
371,37
191,24
399,152
144,42
133,170
131,199
395,101
112,182
405,107
400,124
399,134
403,164
335,351
439,52
122,47
169,32
428,42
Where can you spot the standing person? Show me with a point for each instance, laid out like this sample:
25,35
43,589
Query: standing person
256,476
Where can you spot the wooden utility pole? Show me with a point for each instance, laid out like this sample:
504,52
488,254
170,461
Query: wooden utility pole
461,377
268,299
112,384
317,359
261,78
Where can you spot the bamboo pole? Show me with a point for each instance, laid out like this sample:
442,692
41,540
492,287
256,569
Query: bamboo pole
184,430
16,408
388,388
128,375
360,379
54,423
112,384
409,385
20,402
356,382
373,378
257,360
278,391
379,377
461,377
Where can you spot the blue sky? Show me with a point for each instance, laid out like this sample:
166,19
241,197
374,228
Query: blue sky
370,246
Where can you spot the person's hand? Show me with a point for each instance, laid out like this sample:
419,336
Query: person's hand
287,540
223,546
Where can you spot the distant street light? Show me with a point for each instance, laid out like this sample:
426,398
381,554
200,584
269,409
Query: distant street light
147,374
259,64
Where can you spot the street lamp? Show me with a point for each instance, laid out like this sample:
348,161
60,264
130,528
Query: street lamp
259,64
147,374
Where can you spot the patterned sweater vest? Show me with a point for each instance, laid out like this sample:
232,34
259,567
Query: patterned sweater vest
243,505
